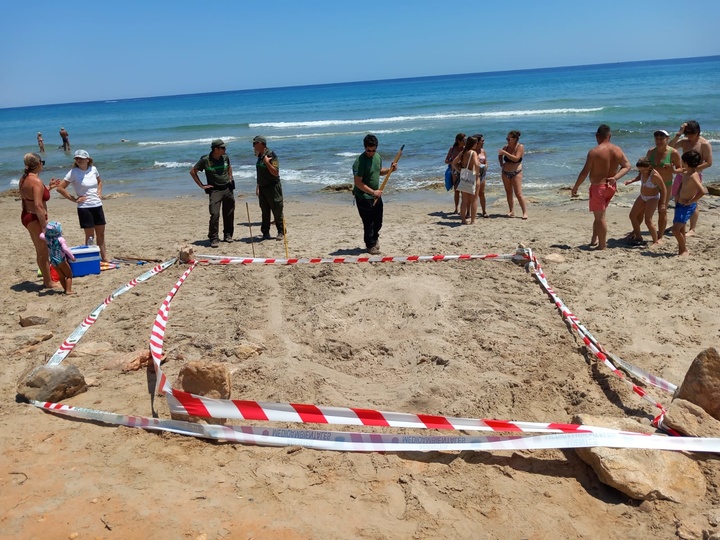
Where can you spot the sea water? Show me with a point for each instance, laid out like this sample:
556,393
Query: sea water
147,146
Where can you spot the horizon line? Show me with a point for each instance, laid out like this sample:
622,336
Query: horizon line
316,85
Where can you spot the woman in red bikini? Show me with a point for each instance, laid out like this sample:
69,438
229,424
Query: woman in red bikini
34,196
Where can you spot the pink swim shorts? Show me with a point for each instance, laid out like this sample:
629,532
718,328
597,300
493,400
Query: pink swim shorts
600,196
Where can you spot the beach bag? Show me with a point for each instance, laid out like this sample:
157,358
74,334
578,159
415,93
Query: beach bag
466,183
449,178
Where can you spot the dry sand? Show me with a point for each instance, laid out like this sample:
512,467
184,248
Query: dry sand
472,339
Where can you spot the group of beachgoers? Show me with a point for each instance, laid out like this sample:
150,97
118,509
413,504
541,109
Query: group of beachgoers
46,235
467,169
664,173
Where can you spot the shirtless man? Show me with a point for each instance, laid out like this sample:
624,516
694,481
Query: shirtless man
689,193
605,164
65,136
664,159
692,141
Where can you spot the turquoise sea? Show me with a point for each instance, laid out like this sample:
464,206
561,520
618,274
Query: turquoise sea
146,146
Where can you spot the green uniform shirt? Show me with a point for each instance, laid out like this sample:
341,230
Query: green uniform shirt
216,170
264,176
367,168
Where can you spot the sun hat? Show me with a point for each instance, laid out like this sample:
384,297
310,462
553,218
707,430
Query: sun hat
259,139
217,143
82,154
661,132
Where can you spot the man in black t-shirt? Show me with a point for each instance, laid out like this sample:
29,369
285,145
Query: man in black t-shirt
219,187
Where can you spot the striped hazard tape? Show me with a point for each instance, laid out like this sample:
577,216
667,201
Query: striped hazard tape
222,260
589,341
383,442
72,340
557,435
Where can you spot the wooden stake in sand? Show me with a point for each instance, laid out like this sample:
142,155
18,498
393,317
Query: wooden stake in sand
252,242
387,176
285,237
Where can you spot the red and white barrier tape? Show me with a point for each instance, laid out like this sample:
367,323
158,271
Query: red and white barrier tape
72,340
591,344
157,335
185,403
223,260
376,442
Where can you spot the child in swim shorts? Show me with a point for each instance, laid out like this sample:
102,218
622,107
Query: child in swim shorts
689,193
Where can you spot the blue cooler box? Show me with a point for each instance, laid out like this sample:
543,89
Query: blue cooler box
87,260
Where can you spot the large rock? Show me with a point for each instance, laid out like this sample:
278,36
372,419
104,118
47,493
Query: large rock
689,419
51,383
203,378
702,383
643,474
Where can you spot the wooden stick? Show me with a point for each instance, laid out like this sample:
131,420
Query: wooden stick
252,242
139,259
285,236
387,176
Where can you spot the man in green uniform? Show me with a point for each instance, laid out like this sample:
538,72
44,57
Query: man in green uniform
269,189
366,175
219,187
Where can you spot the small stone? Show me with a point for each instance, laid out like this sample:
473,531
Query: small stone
73,536
186,254
33,320
248,350
131,361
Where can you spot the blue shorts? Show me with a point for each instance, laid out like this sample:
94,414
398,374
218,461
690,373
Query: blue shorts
683,212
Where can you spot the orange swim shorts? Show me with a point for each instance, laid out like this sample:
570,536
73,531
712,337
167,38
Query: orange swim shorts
600,196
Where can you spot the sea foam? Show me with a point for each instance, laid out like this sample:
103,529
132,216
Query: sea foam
421,117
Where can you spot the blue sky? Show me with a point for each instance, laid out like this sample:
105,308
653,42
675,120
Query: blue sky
70,51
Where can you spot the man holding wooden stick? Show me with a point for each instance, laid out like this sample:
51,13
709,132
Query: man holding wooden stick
367,170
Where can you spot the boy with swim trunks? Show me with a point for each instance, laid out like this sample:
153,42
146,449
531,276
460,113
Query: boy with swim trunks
690,192
692,141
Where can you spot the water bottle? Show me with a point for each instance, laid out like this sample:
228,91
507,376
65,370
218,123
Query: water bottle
91,241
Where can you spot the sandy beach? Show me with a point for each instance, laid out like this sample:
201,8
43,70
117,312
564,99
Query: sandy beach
476,339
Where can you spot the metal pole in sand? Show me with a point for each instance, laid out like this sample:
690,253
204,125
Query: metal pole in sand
252,242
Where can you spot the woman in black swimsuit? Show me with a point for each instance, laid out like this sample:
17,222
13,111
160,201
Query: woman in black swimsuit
510,157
